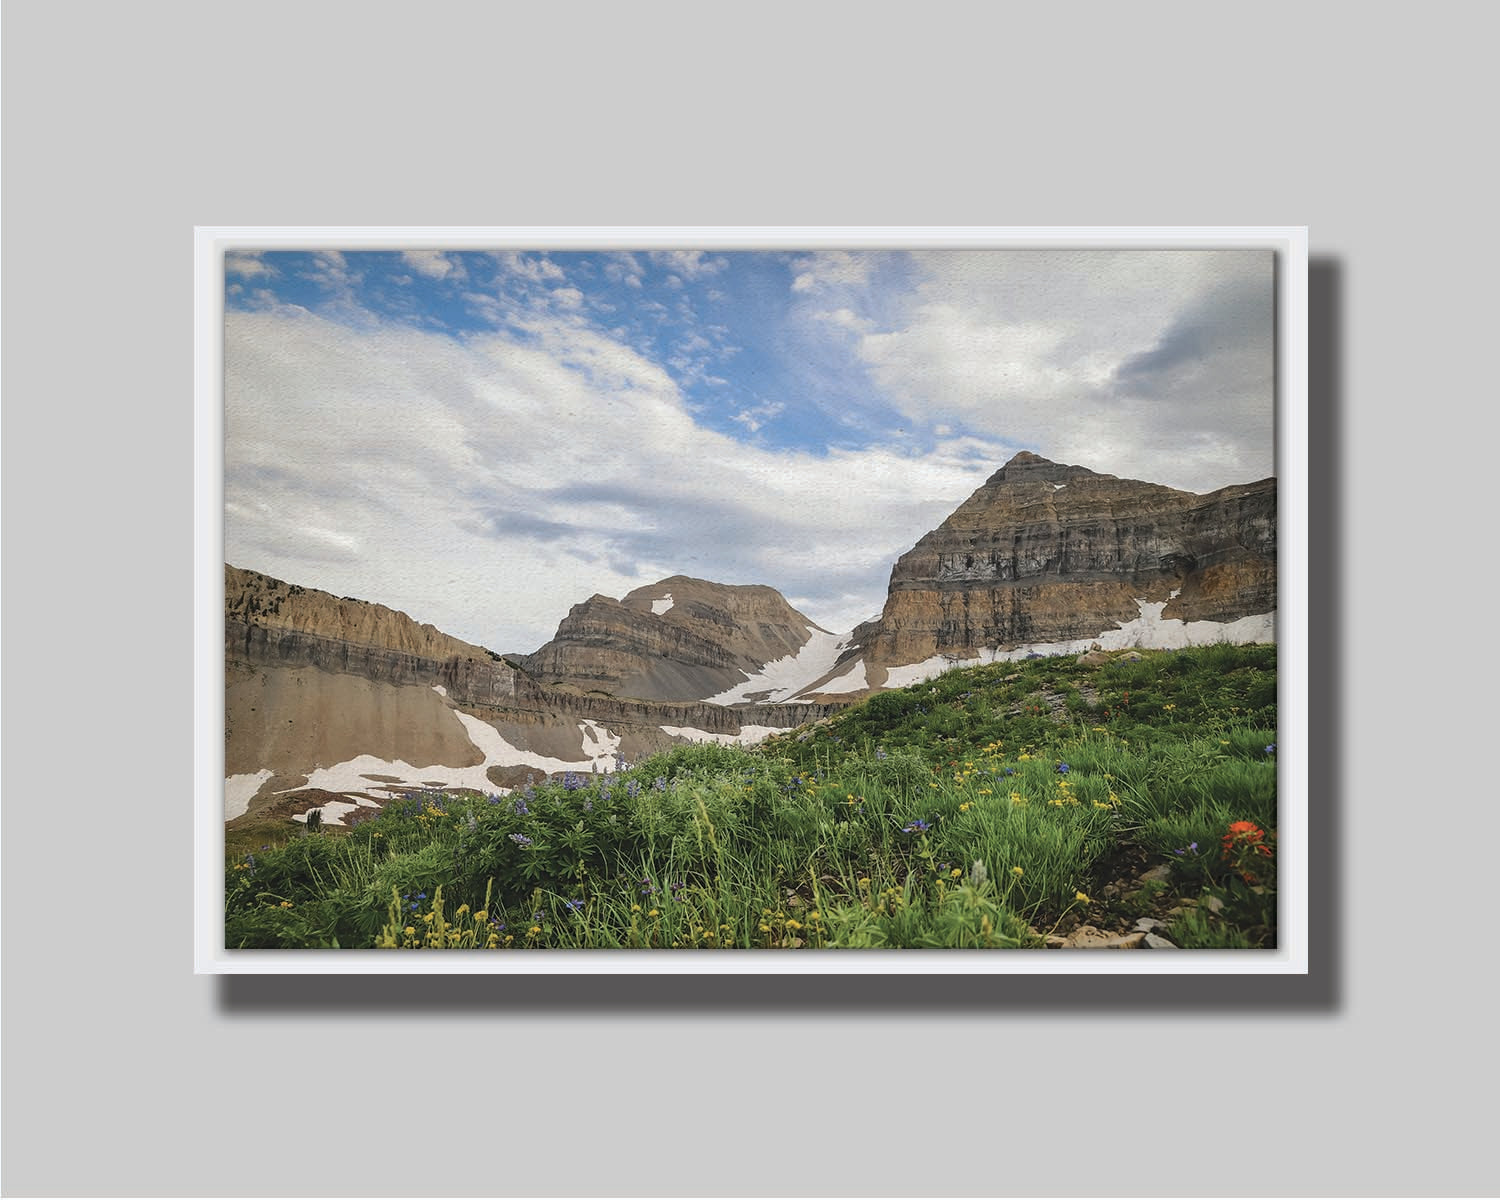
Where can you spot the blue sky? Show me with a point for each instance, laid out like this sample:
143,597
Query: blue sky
484,438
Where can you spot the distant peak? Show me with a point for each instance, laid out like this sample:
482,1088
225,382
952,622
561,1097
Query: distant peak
1032,468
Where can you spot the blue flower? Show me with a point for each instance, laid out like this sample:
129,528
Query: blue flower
573,905
660,783
521,809
1063,768
633,789
880,753
1271,749
520,839
917,826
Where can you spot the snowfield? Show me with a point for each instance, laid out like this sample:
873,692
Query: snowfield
1147,632
748,735
351,778
785,677
239,790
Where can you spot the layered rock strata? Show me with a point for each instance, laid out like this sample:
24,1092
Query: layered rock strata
1047,553
679,639
317,687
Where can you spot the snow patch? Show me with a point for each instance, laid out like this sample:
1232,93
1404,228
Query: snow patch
599,747
748,735
440,690
785,677
852,680
1147,632
239,790
335,811
1057,487
662,605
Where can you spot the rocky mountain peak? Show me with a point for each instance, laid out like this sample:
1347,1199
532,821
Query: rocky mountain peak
677,639
1043,552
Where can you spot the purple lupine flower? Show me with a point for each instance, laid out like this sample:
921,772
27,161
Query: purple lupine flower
633,788
520,839
660,783
918,826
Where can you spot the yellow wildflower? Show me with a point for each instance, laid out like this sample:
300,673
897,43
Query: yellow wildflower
534,930
1081,896
1017,872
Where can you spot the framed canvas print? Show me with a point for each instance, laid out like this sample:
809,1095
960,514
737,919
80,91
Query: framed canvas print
751,600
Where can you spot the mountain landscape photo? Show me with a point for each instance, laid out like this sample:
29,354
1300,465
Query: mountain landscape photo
749,599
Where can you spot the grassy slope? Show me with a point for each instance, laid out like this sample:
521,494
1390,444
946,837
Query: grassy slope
980,809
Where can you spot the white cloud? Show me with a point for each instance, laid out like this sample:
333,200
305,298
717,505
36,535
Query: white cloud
826,269
487,487
434,264
1145,364
688,264
248,264
536,268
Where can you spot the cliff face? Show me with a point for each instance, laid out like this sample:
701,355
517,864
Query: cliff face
1049,553
258,600
680,639
350,698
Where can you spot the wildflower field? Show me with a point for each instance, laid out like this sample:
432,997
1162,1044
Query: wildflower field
987,808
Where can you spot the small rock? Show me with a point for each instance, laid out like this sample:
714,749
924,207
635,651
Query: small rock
1086,937
793,900
1157,874
1213,904
1146,924
1092,658
1154,941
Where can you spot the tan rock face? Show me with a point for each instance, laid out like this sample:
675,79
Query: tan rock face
1044,553
255,599
710,636
312,681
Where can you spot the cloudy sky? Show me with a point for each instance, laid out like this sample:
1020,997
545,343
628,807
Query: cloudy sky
483,439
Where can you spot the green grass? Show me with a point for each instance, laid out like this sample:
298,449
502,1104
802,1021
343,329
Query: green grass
984,809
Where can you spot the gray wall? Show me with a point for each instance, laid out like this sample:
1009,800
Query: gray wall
125,125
